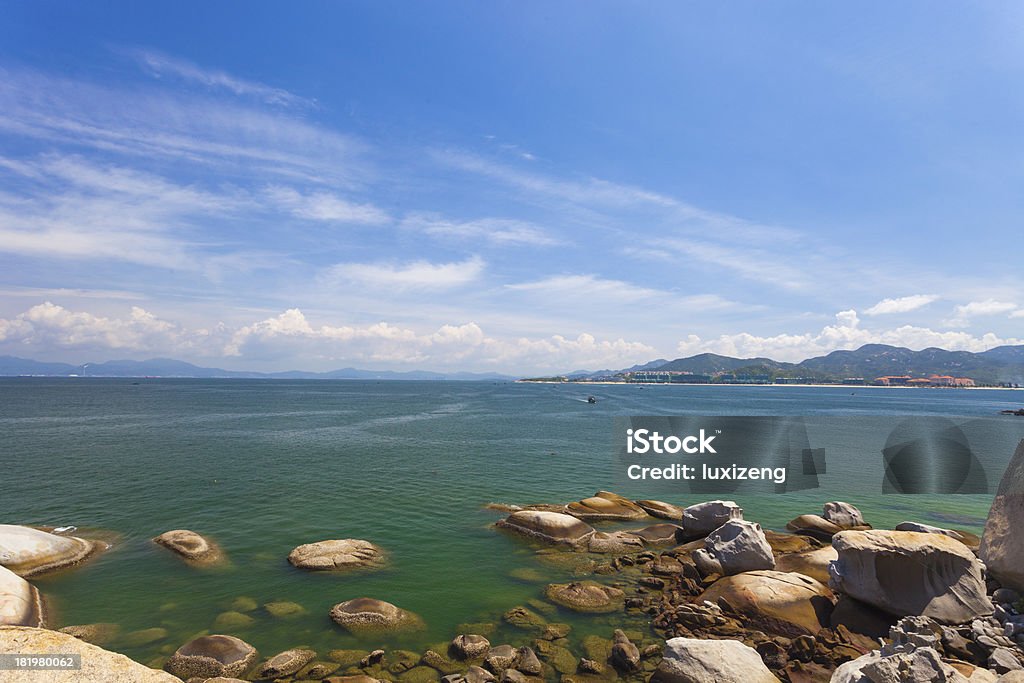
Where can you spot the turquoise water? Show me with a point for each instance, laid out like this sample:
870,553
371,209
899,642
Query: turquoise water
263,466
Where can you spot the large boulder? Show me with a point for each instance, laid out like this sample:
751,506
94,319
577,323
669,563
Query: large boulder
27,551
210,656
789,604
843,515
20,602
736,546
898,665
369,616
191,546
1001,548
605,505
690,660
550,527
661,510
812,563
701,519
586,596
346,553
98,665
906,573
965,537
814,526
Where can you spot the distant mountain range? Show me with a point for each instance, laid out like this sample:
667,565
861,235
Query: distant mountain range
11,366
1001,365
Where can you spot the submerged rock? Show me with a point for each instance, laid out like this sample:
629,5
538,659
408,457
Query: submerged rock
701,519
470,646
283,609
27,551
625,656
96,634
551,527
1001,548
210,656
906,573
736,546
586,596
98,665
605,505
285,663
690,660
661,510
340,554
614,542
20,602
370,616
791,604
191,546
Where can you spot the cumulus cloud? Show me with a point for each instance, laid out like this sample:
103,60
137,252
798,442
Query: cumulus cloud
845,333
903,304
417,274
963,314
48,325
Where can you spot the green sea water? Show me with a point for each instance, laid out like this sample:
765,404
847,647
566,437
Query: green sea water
263,466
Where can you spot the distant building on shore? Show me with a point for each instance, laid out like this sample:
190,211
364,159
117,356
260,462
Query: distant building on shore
931,381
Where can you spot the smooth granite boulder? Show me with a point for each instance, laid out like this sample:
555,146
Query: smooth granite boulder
615,542
98,665
843,515
736,546
550,527
691,660
1002,550
368,616
812,563
701,519
905,573
659,534
339,554
586,596
20,602
606,506
791,604
814,526
191,546
27,551
661,510
965,537
210,656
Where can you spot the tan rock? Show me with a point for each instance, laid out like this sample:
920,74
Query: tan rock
786,603
1001,547
586,596
27,551
551,527
370,616
605,505
191,546
340,554
20,603
210,656
98,665
661,510
812,563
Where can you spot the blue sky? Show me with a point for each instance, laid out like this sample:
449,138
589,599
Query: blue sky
520,187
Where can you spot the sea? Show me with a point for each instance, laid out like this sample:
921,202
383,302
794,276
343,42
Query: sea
262,466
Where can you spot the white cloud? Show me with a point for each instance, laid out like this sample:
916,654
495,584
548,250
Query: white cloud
903,304
48,325
846,333
963,314
495,230
324,206
163,65
418,274
562,287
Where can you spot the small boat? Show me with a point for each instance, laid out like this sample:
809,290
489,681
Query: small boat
591,399
65,530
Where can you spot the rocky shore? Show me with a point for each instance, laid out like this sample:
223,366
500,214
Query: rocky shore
686,594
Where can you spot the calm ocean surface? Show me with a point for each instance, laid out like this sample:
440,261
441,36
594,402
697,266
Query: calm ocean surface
263,466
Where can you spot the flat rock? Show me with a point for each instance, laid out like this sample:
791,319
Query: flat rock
701,519
98,665
660,509
606,506
339,554
659,534
550,527
1001,547
370,616
210,656
96,634
20,603
285,663
812,563
586,596
614,542
736,546
906,573
791,604
27,551
690,660
191,546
